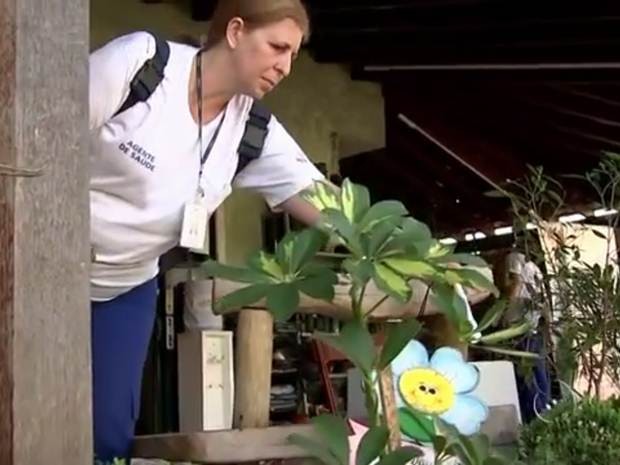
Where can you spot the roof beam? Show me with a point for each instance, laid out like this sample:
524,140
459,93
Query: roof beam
476,151
429,53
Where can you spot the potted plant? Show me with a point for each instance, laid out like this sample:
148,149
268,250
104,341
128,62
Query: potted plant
388,248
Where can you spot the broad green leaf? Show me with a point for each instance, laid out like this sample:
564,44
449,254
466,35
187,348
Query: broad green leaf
361,271
399,244
469,450
322,195
340,223
318,267
478,445
309,242
506,334
416,425
284,253
239,275
452,277
446,429
299,248
241,298
457,445
439,250
355,200
356,343
267,264
314,449
392,283
422,247
464,259
380,212
412,237
319,286
378,237
334,432
371,445
453,306
397,337
415,230
457,450
411,268
476,279
283,300
401,456
492,316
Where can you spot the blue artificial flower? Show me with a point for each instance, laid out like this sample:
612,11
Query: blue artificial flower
439,387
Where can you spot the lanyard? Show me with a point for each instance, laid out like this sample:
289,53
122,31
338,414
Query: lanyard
204,154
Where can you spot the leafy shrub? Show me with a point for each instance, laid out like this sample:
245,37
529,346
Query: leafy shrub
583,433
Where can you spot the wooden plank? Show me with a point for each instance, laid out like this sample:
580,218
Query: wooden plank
45,392
234,446
340,307
252,445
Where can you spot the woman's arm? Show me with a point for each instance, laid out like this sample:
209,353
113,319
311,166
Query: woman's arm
301,210
281,174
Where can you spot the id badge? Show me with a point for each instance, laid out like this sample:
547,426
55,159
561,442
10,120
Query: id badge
195,221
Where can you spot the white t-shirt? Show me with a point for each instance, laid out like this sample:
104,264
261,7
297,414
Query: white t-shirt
145,162
525,304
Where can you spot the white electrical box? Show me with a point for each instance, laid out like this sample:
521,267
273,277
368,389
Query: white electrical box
206,381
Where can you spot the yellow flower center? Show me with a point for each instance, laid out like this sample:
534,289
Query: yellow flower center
427,391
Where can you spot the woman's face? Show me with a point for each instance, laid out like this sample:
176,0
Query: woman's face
263,56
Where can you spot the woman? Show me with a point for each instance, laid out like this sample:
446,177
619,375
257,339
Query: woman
177,149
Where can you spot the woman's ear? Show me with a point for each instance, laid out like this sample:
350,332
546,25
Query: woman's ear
234,31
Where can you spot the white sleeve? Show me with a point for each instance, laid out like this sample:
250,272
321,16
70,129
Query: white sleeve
111,69
515,262
281,171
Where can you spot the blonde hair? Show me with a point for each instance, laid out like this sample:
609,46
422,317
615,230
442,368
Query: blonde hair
256,13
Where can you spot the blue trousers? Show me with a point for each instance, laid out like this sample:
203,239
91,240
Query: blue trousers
121,329
534,390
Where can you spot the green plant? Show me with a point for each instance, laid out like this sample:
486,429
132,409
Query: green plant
387,247
581,433
472,450
581,301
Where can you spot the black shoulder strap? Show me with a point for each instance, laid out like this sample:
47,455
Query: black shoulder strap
256,129
148,76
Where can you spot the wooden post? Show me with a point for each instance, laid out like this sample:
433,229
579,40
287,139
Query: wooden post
254,352
388,404
45,381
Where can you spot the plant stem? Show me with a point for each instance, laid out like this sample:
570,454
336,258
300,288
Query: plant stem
590,370
372,400
376,306
372,404
357,302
